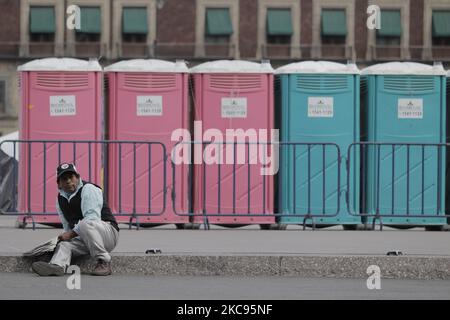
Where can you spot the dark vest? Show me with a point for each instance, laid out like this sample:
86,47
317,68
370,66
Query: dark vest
72,210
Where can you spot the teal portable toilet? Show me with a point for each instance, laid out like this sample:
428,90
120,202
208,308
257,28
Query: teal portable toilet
318,102
447,168
405,104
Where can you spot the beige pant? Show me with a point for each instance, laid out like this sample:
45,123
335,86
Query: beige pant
96,238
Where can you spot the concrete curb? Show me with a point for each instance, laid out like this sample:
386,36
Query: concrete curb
398,267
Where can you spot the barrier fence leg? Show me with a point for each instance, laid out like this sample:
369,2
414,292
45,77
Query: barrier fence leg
131,221
377,217
308,216
206,221
24,222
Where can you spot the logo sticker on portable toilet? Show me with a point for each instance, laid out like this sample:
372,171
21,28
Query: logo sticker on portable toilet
234,107
62,106
149,106
410,108
320,107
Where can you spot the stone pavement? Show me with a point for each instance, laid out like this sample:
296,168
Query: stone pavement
249,251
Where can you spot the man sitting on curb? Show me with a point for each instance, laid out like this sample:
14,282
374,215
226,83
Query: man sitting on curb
89,226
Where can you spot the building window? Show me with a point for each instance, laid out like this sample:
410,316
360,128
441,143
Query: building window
2,97
42,24
134,24
218,25
441,28
279,26
391,28
91,25
333,27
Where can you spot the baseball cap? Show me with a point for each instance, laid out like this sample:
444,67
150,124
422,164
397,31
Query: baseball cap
66,167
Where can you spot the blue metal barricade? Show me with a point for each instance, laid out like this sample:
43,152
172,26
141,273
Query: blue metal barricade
310,189
36,182
402,183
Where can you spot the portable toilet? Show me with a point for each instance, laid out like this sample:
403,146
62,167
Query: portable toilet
319,106
405,104
233,103
148,101
447,167
61,99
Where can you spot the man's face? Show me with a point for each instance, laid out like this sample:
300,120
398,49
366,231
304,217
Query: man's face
68,182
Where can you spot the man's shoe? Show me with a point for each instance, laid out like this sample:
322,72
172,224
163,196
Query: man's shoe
102,268
47,269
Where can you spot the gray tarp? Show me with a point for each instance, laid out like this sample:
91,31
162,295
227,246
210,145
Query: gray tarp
8,183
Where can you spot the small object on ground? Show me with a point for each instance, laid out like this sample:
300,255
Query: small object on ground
153,251
395,253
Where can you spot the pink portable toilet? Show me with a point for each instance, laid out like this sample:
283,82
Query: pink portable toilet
232,95
61,99
148,100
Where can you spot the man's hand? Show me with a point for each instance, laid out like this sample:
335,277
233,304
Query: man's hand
66,236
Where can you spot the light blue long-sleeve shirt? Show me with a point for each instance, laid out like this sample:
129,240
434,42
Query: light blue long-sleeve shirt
91,204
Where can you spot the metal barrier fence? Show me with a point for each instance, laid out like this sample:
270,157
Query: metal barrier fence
230,187
400,182
98,162
232,182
